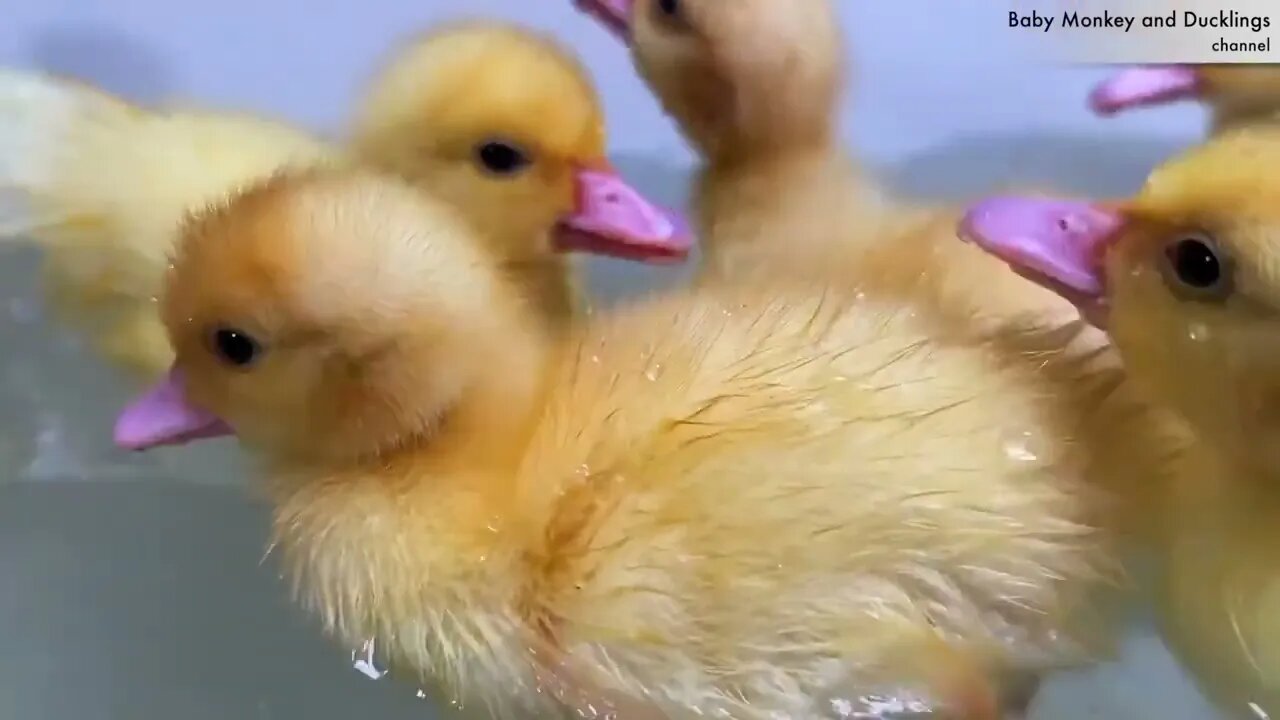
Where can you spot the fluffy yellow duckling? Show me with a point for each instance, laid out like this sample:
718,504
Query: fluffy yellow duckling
488,116
1236,95
496,117
1186,278
752,500
755,85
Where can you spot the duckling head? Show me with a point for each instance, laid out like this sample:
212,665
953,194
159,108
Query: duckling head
506,125
1185,277
328,316
749,76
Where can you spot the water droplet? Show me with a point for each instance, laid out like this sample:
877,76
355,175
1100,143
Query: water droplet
421,695
363,660
154,298
584,470
1198,332
860,296
595,359
881,706
1020,447
654,372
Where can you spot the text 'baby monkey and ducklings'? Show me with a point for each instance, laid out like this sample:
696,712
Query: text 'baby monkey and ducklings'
1107,20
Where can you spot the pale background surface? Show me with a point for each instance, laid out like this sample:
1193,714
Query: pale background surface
132,588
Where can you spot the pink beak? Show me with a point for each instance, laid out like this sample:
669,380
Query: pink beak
1057,244
613,14
162,416
612,218
1151,85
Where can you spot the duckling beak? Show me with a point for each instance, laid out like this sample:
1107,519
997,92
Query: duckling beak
612,218
1057,244
162,416
613,14
1151,85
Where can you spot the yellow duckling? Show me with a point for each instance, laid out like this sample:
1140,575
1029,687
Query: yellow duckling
1185,277
755,86
753,500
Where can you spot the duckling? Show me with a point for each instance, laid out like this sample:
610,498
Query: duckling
1186,280
108,183
487,115
742,499
517,127
754,85
1236,95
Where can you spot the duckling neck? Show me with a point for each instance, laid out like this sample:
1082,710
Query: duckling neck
761,176
420,549
729,154
753,199
546,282
1261,472
1228,117
415,555
1241,474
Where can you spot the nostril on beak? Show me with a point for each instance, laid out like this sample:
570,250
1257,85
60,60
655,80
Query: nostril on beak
1064,225
611,198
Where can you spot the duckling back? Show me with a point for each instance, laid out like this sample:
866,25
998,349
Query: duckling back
108,185
752,502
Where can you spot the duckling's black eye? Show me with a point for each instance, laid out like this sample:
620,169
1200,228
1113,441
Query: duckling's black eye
667,13
501,157
1195,267
235,347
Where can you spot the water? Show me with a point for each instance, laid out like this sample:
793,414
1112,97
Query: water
133,586
365,661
